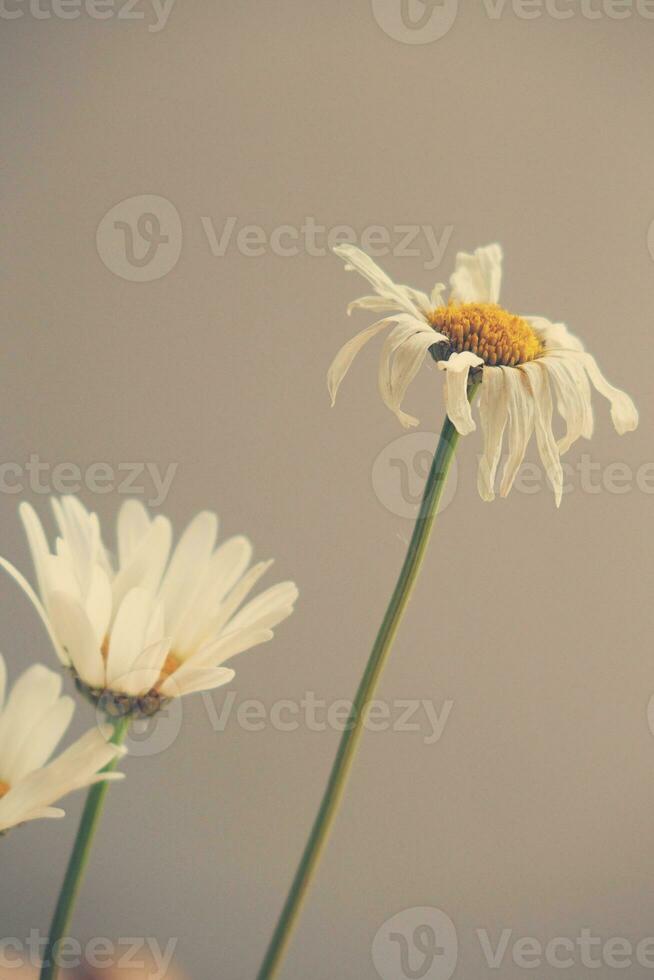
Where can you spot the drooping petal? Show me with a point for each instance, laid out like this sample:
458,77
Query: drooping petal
521,424
624,413
573,398
401,358
457,369
477,278
403,297
493,413
344,358
543,411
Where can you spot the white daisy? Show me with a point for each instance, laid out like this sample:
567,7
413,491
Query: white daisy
33,720
147,627
525,360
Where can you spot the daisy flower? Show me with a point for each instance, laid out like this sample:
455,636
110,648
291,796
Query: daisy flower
526,363
33,719
147,626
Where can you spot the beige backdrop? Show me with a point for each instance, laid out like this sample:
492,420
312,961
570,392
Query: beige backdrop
534,810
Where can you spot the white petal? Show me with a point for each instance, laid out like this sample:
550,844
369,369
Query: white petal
3,681
238,595
127,639
42,740
225,568
477,278
38,544
189,681
36,602
268,608
404,297
457,369
493,413
521,418
555,336
146,558
98,603
543,411
187,567
31,697
573,398
132,526
623,411
81,532
343,360
401,358
216,652
77,638
147,668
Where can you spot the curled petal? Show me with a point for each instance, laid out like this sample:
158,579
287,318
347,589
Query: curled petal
456,390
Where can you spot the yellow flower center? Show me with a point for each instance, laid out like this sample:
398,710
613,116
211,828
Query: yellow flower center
4,788
494,334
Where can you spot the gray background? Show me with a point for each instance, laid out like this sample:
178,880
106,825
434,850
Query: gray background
535,810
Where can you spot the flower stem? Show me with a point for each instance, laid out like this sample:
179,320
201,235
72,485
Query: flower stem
355,724
78,861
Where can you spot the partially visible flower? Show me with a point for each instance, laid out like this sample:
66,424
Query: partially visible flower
33,720
523,359
149,626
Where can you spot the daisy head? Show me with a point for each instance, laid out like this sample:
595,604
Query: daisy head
525,364
33,719
147,625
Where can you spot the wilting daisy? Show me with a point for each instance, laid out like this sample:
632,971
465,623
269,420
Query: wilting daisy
33,720
147,626
528,363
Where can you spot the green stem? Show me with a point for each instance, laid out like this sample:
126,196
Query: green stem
354,727
78,860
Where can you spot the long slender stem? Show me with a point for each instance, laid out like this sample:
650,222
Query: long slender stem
78,860
350,739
